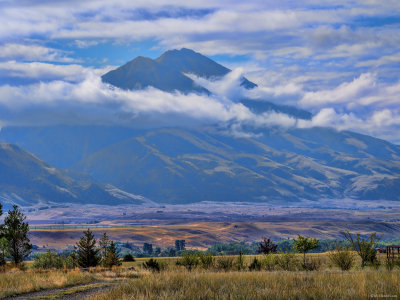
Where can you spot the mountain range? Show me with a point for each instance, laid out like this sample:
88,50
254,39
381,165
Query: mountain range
181,165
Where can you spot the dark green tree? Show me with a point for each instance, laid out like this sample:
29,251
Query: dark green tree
304,244
16,232
87,253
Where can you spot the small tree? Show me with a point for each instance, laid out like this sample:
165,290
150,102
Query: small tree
267,246
104,244
365,247
87,254
304,244
206,260
16,233
112,258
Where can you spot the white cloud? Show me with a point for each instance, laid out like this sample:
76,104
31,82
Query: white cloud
46,71
82,98
384,60
229,87
383,124
13,51
348,93
363,105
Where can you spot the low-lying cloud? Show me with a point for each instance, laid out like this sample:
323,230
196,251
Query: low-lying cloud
364,104
91,100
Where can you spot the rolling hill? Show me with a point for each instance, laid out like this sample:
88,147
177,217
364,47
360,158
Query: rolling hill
27,180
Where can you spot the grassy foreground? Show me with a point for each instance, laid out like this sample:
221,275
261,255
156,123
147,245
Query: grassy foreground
328,284
14,283
174,281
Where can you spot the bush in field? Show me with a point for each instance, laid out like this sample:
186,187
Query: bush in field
48,260
287,261
190,260
313,264
365,247
342,257
206,260
269,262
255,265
225,263
152,265
129,257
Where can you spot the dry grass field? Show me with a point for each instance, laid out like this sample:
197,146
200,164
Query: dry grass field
133,281
181,284
14,282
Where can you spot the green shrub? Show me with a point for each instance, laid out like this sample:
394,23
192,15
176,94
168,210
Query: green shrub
287,261
342,257
225,263
48,260
129,257
255,265
269,262
189,260
206,260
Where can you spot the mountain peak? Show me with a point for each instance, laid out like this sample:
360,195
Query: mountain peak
167,72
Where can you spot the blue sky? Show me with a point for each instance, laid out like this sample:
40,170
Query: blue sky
337,59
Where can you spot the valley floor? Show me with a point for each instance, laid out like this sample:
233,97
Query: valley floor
205,224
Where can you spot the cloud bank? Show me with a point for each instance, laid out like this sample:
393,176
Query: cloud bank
92,101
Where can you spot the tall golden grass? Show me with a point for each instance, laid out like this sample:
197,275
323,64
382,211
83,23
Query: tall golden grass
176,282
328,284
